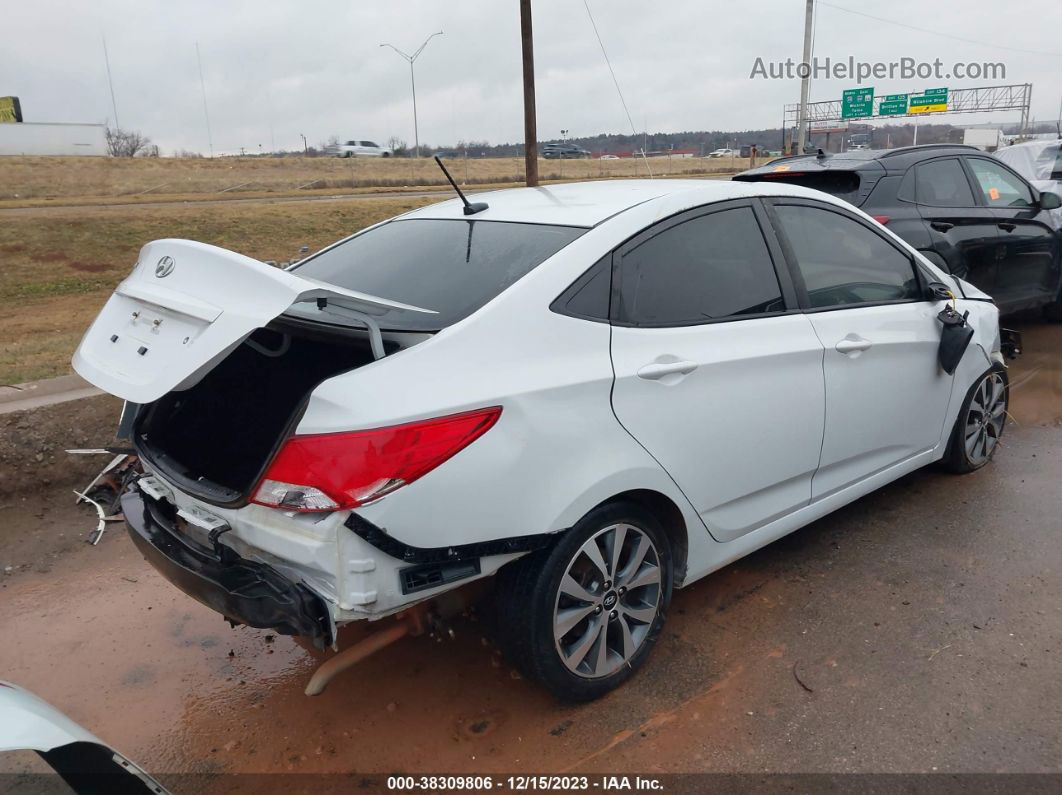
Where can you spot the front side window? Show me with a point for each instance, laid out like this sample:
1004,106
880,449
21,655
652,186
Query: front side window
369,144
450,266
843,262
711,267
942,183
1000,187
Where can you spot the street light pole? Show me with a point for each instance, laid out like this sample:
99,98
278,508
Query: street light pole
413,83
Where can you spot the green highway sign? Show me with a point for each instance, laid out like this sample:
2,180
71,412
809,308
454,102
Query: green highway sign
932,100
857,103
893,105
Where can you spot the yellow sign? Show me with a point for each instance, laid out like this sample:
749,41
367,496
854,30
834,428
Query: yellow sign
10,110
941,108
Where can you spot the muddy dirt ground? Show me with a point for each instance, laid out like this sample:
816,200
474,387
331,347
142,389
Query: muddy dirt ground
917,630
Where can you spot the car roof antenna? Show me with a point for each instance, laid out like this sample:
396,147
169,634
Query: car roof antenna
471,208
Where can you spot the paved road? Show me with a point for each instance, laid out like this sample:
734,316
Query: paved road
919,629
63,209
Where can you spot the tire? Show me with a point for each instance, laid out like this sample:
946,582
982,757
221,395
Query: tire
969,450
532,607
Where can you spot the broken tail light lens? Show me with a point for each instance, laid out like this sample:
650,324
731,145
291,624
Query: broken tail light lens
330,472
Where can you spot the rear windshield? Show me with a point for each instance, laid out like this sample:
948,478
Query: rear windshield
450,266
842,184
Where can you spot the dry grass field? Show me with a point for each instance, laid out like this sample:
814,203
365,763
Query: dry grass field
57,269
29,181
63,248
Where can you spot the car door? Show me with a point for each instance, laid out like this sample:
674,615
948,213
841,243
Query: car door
718,373
1028,269
961,230
886,395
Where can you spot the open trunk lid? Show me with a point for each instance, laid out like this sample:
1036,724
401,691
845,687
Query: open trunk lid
186,305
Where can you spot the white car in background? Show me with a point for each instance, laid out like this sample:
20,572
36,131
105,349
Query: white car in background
1040,162
359,149
599,392
721,153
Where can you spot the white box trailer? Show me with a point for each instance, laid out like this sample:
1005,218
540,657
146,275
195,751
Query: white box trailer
36,138
985,139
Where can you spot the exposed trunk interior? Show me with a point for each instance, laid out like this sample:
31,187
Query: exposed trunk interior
216,438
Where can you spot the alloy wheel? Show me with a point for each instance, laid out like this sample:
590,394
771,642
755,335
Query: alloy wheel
607,601
985,418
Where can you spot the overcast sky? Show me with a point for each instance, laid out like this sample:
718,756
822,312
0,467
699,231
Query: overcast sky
274,69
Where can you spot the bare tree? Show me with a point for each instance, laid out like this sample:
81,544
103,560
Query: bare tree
125,143
397,146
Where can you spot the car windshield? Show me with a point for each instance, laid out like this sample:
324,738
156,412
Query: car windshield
452,267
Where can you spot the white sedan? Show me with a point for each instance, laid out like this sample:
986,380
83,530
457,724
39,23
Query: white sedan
721,153
599,392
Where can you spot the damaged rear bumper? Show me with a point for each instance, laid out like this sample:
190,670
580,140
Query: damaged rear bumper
244,591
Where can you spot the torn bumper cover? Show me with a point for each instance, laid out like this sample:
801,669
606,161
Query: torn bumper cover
243,591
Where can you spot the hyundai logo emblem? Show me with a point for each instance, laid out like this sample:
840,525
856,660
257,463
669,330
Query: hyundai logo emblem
164,267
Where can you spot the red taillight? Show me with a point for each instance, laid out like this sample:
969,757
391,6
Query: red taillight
881,219
329,472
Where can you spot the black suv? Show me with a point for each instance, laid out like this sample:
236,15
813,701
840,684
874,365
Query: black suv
966,211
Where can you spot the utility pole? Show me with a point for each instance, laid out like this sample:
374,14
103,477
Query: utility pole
305,148
114,104
413,82
206,113
805,82
530,122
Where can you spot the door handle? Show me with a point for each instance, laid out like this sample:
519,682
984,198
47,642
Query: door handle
941,226
1007,227
853,344
658,370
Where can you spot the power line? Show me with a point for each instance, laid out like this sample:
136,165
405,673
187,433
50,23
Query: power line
206,113
110,83
616,82
994,45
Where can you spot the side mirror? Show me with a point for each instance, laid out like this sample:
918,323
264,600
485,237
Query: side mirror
938,291
1050,201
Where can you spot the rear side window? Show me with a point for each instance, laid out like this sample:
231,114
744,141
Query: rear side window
711,267
1000,187
843,262
450,266
942,183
